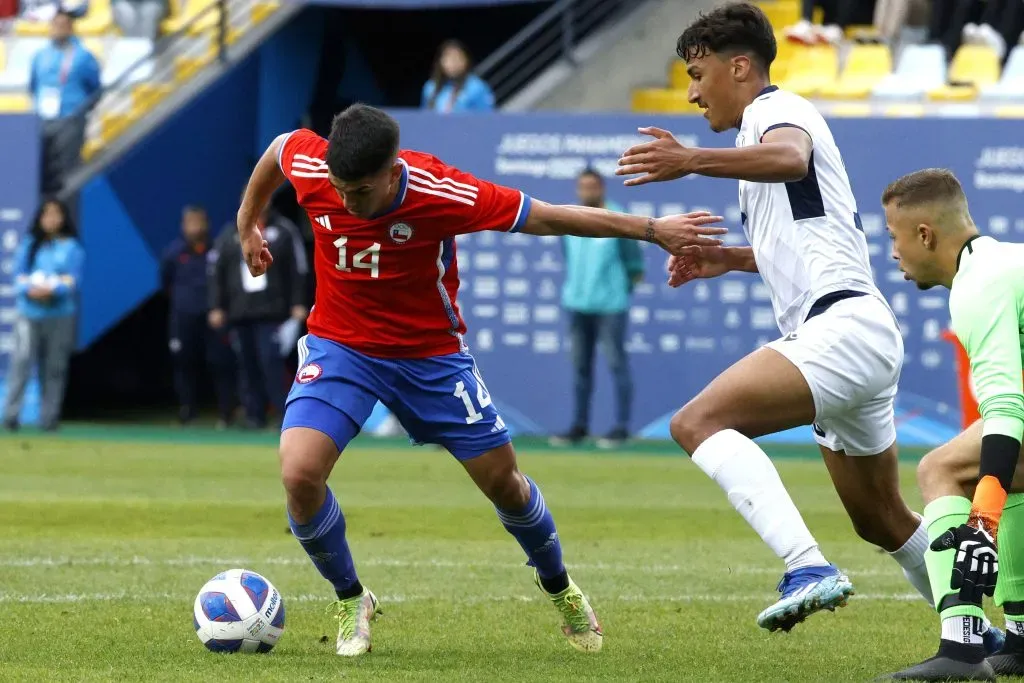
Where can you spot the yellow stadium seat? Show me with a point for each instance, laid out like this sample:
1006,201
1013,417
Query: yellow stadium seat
31,29
261,10
186,12
662,101
973,66
811,68
1010,111
98,21
781,13
866,66
783,56
146,96
678,79
3,54
90,149
97,47
187,67
15,103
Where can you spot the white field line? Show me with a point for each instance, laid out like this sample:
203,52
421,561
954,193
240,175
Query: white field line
298,560
136,597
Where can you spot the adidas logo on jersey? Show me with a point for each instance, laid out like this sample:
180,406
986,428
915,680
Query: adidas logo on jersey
323,221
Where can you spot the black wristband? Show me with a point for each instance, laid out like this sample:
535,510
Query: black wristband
999,454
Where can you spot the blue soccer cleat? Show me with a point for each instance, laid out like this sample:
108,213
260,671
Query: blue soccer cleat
804,592
993,639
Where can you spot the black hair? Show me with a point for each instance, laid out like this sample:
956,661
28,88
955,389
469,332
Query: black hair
39,236
363,141
195,208
591,172
438,77
738,27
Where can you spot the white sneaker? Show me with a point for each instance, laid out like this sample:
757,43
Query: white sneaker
354,616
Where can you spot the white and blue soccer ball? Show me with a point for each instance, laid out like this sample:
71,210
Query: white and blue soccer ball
239,611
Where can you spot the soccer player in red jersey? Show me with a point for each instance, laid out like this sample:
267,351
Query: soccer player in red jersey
385,327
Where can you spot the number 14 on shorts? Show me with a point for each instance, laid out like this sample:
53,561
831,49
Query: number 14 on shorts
483,400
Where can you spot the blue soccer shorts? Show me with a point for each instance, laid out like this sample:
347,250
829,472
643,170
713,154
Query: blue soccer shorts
441,400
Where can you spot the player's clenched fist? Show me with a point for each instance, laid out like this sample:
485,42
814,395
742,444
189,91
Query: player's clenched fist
696,263
256,251
697,228
976,566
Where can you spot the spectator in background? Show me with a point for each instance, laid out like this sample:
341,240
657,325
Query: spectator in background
892,15
265,313
999,27
837,15
183,273
599,278
948,20
64,77
452,86
47,277
43,11
139,18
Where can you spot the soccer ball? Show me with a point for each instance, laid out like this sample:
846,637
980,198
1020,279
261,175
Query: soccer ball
239,611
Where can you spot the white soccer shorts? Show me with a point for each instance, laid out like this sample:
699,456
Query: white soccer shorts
851,356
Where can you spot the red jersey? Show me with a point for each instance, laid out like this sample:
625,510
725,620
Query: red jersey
386,286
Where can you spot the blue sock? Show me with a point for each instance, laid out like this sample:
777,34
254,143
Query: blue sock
534,528
323,538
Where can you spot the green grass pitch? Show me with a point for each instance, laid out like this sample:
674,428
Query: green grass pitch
107,535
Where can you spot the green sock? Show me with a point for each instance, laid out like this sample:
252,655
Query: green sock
1010,586
940,515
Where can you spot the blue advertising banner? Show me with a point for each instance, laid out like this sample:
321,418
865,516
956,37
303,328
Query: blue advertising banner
19,193
680,339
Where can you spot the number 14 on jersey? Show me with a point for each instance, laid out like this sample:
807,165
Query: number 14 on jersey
367,259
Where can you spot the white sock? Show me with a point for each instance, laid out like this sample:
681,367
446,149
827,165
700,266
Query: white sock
750,480
966,630
1015,625
911,558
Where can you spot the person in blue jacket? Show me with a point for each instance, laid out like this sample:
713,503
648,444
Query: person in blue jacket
599,277
64,78
47,278
452,86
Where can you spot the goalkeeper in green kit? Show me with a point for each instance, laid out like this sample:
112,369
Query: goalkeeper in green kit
972,486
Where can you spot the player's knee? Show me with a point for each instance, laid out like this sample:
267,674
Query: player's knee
691,426
933,472
508,490
303,474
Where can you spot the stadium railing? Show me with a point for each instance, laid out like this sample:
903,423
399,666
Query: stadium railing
552,36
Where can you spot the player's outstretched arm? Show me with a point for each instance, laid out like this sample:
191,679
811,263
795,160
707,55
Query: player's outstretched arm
265,179
783,156
671,233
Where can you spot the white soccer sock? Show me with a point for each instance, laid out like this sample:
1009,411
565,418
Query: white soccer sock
754,488
1015,625
963,629
911,558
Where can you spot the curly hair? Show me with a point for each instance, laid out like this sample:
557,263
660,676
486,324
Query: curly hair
738,27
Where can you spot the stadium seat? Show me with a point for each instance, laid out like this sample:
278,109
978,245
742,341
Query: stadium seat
31,29
781,13
784,56
866,66
678,79
973,67
98,48
15,103
3,55
1011,84
662,101
185,12
19,63
98,21
921,68
261,10
811,68
125,54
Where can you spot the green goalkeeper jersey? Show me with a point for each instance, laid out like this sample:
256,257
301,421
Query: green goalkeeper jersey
986,305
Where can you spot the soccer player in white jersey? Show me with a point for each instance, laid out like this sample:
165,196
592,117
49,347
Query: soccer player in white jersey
837,364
